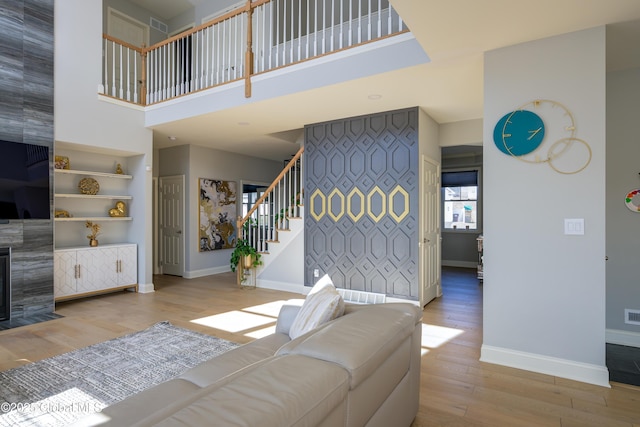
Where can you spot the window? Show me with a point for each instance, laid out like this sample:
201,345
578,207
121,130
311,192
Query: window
460,199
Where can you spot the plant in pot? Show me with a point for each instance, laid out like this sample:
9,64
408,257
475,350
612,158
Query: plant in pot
95,230
246,254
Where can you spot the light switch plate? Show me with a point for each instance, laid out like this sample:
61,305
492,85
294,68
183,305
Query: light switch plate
574,226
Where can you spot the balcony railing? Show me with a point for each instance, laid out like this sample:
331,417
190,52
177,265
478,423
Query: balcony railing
261,36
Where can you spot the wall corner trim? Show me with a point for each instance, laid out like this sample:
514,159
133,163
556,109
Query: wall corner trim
563,368
146,288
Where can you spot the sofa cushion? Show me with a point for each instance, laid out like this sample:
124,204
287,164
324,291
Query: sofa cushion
128,411
318,308
227,363
348,340
283,391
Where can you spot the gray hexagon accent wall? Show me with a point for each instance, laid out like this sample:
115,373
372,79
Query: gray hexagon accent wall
361,202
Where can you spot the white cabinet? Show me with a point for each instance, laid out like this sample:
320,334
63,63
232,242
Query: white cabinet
88,271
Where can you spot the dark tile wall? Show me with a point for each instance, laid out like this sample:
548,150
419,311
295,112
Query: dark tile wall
26,115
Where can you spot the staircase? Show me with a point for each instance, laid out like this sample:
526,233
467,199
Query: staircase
274,227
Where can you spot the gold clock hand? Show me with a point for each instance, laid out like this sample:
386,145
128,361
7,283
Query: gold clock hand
533,133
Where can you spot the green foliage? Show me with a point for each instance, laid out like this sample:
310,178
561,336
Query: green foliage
242,249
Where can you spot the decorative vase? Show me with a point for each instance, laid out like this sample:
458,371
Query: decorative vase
247,262
93,242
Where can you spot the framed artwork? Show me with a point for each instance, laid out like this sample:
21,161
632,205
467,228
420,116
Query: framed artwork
217,218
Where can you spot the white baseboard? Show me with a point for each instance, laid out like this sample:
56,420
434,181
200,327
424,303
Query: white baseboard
281,286
146,288
205,272
463,264
616,336
563,368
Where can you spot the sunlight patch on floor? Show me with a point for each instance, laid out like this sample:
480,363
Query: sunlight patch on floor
434,336
269,309
260,333
234,321
68,405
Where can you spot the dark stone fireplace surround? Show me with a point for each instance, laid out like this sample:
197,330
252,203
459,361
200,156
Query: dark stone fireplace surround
5,282
26,116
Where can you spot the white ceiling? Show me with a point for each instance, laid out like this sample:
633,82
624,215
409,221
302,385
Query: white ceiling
454,34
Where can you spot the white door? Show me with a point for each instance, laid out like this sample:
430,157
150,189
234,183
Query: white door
430,244
128,29
172,225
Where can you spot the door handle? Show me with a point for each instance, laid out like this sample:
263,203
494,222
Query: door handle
179,232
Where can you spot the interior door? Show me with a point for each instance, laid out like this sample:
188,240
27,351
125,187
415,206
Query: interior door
430,244
172,225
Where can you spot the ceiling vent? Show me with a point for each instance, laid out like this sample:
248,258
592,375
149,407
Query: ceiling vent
631,317
159,25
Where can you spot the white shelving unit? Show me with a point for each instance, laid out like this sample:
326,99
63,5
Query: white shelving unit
89,197
92,173
81,270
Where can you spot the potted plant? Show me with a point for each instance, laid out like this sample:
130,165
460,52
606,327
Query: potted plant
246,253
95,230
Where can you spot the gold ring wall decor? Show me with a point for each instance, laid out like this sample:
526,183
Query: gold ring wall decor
522,132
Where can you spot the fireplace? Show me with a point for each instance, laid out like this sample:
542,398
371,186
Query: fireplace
5,283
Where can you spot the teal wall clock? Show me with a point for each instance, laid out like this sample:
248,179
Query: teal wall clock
524,130
519,132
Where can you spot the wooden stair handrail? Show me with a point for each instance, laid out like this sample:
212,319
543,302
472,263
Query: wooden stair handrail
241,221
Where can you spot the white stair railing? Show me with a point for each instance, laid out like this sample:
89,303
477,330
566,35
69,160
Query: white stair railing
260,36
122,65
271,213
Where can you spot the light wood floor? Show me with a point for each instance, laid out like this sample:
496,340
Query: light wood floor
456,389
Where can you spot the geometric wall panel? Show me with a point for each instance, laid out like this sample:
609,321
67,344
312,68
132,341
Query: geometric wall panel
361,184
398,203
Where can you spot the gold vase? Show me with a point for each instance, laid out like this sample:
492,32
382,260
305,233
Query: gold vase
248,261
93,242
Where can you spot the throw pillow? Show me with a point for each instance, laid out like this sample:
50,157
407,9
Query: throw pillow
318,308
321,283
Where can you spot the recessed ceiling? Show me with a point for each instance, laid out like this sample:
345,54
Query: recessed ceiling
455,35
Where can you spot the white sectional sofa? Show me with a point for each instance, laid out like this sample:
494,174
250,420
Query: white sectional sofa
361,369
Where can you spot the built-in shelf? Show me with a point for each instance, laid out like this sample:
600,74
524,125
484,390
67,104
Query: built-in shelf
89,196
94,218
91,173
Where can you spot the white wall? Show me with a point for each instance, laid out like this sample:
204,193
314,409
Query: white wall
623,225
544,292
196,162
464,132
82,118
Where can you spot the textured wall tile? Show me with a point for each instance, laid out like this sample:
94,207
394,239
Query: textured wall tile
11,234
26,115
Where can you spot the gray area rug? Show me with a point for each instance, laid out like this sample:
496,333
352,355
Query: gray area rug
63,388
